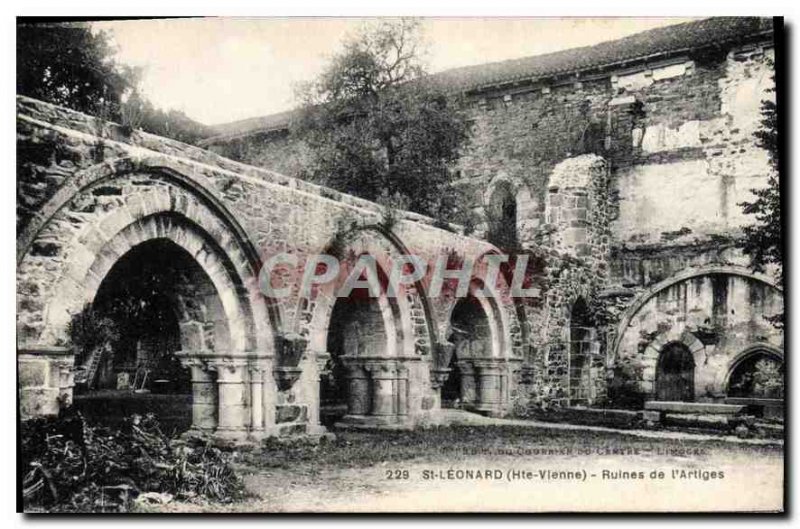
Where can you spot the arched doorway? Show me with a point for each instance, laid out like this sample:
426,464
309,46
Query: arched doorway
147,297
367,380
675,373
583,350
471,333
757,375
356,332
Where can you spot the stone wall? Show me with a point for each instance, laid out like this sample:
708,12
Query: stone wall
626,180
90,191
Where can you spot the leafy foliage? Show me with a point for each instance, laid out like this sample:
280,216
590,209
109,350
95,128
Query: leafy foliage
763,240
89,330
70,466
762,378
70,65
377,128
138,112
73,65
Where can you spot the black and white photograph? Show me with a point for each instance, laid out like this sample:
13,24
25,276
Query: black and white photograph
400,264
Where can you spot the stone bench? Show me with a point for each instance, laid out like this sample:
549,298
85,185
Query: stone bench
767,408
710,408
700,414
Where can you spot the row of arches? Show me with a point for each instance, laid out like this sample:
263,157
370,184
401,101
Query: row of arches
176,276
703,334
756,373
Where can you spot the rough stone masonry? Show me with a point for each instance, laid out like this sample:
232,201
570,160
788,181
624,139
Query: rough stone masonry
621,168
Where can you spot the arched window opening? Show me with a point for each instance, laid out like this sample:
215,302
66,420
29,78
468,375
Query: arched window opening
759,376
502,217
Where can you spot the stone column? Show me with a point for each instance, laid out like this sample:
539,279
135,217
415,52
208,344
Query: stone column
314,426
232,392
468,386
358,397
204,392
45,379
256,399
269,396
64,371
489,383
402,391
384,376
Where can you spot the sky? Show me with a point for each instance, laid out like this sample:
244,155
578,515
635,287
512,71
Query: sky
219,70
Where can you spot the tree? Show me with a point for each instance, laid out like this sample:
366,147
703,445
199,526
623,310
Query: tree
377,128
72,66
763,240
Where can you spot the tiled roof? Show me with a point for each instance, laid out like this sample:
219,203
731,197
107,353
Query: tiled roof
659,41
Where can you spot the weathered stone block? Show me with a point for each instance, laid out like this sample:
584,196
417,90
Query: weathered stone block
291,413
33,374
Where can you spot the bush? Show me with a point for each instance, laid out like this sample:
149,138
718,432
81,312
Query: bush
70,466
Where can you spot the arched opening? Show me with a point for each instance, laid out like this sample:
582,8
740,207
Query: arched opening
758,375
675,374
152,298
471,334
356,331
583,350
502,217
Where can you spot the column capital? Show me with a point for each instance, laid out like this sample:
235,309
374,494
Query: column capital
439,376
355,366
291,348
382,369
321,359
443,353
466,366
488,363
286,376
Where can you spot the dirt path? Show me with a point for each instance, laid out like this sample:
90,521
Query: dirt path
616,473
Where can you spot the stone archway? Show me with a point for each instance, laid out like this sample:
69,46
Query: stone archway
478,377
362,345
685,353
156,296
471,335
756,373
85,235
380,382
715,311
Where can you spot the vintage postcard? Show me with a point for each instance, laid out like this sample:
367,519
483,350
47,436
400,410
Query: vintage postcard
437,265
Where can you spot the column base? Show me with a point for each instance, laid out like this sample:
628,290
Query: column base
234,435
375,422
197,433
317,429
265,433
490,410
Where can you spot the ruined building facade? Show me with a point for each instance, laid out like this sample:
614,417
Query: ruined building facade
618,169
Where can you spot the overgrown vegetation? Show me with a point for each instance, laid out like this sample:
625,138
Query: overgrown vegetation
763,240
73,65
90,330
365,449
377,129
71,466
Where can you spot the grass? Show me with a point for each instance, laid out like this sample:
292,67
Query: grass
355,449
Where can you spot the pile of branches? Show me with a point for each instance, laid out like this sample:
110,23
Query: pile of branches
70,466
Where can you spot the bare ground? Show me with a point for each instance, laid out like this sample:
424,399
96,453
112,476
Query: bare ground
427,471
